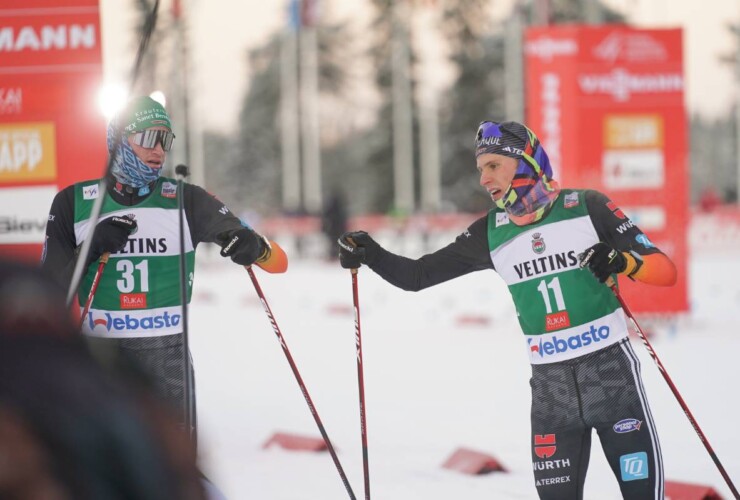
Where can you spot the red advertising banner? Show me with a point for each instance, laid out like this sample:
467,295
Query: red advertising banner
51,131
608,104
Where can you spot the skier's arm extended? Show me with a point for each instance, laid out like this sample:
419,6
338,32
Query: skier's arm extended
468,253
212,221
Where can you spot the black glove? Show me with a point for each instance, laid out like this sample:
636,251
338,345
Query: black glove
244,246
357,248
603,261
111,235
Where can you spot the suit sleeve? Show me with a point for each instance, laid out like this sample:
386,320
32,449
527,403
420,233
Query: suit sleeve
468,253
207,215
60,246
614,228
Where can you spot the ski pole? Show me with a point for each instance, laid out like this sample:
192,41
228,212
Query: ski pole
667,378
181,171
90,296
361,384
299,379
147,30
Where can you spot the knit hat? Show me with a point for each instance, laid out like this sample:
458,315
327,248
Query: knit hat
532,188
505,138
142,113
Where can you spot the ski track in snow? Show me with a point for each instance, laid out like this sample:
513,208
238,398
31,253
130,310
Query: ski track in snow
432,385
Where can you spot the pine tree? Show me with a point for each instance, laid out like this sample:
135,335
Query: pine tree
250,170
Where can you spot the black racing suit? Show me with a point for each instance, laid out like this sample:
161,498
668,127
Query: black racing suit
601,390
160,358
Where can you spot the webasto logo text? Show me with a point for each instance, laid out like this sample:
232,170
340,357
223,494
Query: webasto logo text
559,346
128,322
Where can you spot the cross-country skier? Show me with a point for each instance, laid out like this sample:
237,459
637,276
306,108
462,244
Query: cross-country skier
137,306
542,240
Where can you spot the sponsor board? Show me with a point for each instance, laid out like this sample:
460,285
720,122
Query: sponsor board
548,48
551,130
24,212
633,169
11,100
48,37
630,46
622,84
633,131
62,39
27,152
614,113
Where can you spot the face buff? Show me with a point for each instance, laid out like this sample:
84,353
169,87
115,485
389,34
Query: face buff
140,114
532,190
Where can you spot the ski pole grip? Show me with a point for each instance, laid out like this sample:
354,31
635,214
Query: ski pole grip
104,258
352,242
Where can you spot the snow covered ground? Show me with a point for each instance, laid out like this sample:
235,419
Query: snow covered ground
433,383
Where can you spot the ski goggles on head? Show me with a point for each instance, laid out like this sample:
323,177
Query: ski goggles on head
488,133
149,139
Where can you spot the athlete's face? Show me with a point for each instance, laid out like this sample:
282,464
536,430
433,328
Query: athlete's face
496,173
152,157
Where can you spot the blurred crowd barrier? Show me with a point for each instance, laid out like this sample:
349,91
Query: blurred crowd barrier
411,235
710,231
716,230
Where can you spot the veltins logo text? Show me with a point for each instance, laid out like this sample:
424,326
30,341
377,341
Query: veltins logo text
574,342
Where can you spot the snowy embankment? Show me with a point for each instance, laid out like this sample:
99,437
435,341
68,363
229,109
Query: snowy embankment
444,368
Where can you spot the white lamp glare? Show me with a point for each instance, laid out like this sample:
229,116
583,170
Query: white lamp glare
111,98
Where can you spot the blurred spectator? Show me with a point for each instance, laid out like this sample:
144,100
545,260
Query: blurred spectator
710,199
70,429
334,221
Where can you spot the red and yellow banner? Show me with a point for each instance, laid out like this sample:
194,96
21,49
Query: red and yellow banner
51,132
608,104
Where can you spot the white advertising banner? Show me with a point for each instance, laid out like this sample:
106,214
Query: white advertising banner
24,212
